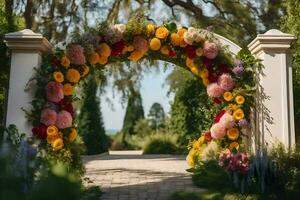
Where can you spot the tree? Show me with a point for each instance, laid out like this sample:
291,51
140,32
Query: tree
156,116
90,120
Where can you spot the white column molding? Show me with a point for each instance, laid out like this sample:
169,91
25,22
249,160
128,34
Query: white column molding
274,99
26,50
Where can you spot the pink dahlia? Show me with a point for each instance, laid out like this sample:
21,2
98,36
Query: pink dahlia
64,119
75,54
140,44
226,82
227,120
48,117
214,90
217,131
210,50
54,91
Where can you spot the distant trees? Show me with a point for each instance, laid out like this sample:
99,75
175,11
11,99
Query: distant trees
156,116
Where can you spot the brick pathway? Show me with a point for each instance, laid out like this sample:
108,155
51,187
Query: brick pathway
138,177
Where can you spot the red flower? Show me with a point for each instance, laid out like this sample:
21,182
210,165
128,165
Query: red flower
172,53
217,101
223,69
212,77
117,48
190,51
207,136
67,106
207,62
218,117
55,61
40,131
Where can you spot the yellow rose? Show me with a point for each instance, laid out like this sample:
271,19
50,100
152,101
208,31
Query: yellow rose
204,73
52,138
57,144
164,50
175,39
65,61
162,32
94,58
238,114
150,29
104,50
73,76
181,31
232,133
234,145
136,55
52,130
73,135
199,52
103,60
58,77
239,99
155,44
205,81
227,96
68,89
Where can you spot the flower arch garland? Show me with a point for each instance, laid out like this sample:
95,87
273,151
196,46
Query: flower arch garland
229,82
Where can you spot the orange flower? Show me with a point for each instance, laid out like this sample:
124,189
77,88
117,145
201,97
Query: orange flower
234,145
150,29
205,81
68,89
233,133
227,96
175,39
86,70
164,50
238,114
204,73
52,130
240,100
73,135
136,55
94,58
57,144
103,60
181,31
52,138
104,50
182,42
155,44
65,61
73,76
162,32
58,77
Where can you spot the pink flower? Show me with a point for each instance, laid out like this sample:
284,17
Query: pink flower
54,91
75,54
48,117
217,131
140,44
210,50
214,90
64,119
227,120
226,82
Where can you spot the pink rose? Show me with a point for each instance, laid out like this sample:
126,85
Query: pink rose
64,119
48,117
210,50
54,91
214,90
226,82
140,44
75,54
227,120
217,131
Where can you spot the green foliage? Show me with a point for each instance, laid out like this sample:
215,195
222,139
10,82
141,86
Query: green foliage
156,116
160,143
90,120
142,128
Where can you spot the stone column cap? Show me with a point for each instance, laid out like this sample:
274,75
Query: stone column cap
27,40
272,40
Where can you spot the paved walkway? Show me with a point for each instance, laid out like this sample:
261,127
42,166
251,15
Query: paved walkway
128,176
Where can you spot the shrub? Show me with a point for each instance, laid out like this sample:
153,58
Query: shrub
160,143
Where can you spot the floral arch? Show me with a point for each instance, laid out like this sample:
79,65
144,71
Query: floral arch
228,78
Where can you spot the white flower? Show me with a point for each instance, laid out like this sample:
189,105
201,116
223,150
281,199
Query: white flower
187,37
120,28
211,151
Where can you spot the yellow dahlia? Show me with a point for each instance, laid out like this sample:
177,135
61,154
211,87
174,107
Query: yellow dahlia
239,99
238,114
58,77
73,76
227,96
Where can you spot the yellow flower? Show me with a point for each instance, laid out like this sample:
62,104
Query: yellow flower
190,63
94,58
164,50
68,89
73,76
201,139
233,133
155,44
234,145
58,77
103,60
238,114
52,130
52,138
190,159
204,73
104,50
175,39
199,52
162,32
227,96
86,70
65,61
196,145
136,55
130,48
182,42
239,99
181,31
150,29
233,107
57,144
73,135
205,81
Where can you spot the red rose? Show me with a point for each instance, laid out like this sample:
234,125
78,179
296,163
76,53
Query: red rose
55,61
223,69
207,62
207,136
40,131
212,77
172,54
67,106
190,51
217,101
117,48
218,117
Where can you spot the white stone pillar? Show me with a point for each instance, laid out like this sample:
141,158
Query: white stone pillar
274,100
26,51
